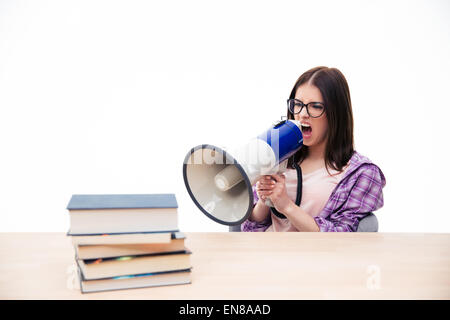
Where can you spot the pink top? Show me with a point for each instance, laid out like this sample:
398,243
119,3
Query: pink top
317,187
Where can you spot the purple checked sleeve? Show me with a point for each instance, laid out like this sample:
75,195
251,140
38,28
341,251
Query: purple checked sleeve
360,195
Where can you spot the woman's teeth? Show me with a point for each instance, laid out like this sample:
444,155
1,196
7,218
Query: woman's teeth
306,129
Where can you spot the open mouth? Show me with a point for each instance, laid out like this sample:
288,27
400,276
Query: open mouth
306,129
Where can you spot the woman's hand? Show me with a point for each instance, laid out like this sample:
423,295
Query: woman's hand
264,187
279,196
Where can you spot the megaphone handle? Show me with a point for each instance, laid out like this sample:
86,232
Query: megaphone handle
269,203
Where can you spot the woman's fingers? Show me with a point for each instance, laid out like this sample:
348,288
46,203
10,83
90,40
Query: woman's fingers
264,193
265,185
279,177
265,188
265,179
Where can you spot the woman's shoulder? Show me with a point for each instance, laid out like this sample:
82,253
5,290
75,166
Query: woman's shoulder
361,165
357,159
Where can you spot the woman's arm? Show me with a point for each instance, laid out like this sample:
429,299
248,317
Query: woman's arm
259,219
344,210
260,212
297,216
300,219
262,189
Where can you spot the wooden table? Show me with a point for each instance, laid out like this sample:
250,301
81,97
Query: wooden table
251,266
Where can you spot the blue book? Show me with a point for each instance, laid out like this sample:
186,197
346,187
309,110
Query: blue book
121,201
93,214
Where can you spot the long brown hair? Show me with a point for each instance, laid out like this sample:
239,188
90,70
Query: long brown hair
338,108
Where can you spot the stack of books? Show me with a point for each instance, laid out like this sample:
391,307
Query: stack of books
128,241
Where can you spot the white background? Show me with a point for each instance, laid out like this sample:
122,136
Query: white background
109,96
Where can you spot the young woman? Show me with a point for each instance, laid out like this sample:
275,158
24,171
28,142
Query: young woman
339,185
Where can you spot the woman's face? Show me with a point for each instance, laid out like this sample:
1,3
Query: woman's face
316,134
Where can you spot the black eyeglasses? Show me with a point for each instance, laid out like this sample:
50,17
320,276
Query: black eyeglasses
314,109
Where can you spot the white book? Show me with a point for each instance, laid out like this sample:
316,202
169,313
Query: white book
135,281
123,266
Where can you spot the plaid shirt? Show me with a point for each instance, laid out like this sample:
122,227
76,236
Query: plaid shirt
356,195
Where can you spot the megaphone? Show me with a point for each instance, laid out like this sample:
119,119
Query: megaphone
220,182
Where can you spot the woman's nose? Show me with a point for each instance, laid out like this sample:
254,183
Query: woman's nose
303,113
